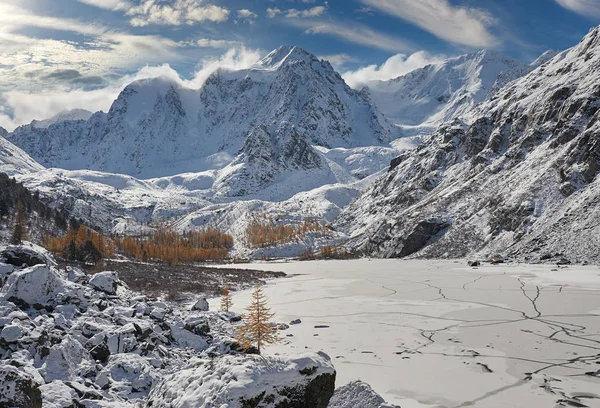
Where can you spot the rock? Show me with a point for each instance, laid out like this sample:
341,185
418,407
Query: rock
496,259
563,261
106,282
28,255
357,394
473,263
201,305
18,388
296,321
67,361
36,285
11,333
5,270
57,395
304,382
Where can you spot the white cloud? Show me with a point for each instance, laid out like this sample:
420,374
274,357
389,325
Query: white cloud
354,33
457,24
246,14
29,105
337,60
208,43
588,8
272,12
109,4
178,12
395,66
311,12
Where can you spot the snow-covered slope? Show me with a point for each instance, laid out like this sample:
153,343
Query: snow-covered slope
74,114
520,178
440,92
15,161
157,127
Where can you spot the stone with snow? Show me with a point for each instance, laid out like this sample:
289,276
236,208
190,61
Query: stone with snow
306,381
105,281
67,361
18,388
201,305
27,254
357,394
35,285
11,333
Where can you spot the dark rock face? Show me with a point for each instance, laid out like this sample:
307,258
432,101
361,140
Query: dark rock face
21,255
18,389
423,232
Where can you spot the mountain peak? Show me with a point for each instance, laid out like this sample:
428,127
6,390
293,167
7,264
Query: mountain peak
286,54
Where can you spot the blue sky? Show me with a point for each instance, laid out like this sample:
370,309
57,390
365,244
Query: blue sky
62,54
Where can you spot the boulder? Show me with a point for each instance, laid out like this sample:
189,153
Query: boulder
295,321
11,333
307,381
18,388
35,285
496,259
357,394
28,255
106,282
473,263
68,360
201,305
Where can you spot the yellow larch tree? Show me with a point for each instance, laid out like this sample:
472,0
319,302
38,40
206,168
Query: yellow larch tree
226,299
257,329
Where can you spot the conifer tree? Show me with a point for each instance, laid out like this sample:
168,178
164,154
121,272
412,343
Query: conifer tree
257,329
226,299
19,229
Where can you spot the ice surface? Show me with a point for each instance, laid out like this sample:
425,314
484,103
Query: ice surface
441,334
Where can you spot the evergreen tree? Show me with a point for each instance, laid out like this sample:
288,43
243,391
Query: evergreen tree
226,299
257,329
19,229
72,251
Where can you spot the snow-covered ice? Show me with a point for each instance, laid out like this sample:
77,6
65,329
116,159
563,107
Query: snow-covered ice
441,334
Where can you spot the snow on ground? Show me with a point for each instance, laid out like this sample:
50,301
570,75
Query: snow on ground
441,334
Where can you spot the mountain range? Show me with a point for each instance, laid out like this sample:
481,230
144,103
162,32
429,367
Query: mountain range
506,160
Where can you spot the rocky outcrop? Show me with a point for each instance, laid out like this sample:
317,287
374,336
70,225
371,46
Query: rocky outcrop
307,381
357,394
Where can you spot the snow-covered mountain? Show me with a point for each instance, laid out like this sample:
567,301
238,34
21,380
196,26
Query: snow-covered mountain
442,91
520,177
158,127
74,114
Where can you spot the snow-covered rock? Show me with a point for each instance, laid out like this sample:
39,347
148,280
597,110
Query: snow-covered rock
36,285
519,179
27,254
67,360
357,394
201,305
18,388
105,281
240,381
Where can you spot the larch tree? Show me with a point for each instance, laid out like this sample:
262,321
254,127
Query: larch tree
257,329
19,229
226,299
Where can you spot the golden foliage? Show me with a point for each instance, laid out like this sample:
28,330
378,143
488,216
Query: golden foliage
257,329
60,245
174,248
265,232
226,299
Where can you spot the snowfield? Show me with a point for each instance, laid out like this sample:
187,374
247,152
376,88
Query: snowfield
441,334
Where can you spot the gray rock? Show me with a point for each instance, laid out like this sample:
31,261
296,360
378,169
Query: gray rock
201,305
18,389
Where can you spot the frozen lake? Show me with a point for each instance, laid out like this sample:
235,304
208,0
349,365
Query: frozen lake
441,334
